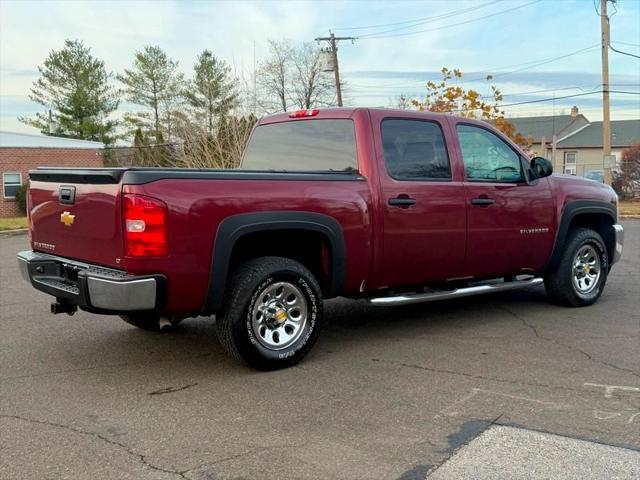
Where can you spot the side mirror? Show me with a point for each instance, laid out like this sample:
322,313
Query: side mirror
540,167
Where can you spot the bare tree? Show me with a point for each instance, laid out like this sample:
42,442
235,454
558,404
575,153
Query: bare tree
311,86
403,102
293,76
274,76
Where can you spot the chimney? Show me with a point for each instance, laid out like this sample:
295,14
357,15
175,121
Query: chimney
574,111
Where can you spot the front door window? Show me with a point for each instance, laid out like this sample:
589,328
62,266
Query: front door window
486,157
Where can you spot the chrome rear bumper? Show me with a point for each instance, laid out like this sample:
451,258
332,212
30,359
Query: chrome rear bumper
91,287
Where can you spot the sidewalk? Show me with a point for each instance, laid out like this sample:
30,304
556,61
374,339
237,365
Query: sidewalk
515,453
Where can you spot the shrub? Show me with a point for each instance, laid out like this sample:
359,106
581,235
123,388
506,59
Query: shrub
21,198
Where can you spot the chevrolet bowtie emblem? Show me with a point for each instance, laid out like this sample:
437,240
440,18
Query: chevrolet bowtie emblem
67,218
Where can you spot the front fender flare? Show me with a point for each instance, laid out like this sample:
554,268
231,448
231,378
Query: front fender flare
570,211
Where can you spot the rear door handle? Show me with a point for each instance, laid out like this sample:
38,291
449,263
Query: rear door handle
482,201
402,201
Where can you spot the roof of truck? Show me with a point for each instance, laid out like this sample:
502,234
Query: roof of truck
345,112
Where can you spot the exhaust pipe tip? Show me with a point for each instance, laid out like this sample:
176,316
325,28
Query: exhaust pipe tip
165,325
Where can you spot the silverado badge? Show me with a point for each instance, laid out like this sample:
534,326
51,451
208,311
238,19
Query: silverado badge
67,218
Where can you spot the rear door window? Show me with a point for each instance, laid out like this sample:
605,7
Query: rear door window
414,150
304,145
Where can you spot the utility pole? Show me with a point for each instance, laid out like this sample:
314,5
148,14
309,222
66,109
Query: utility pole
333,50
606,125
255,94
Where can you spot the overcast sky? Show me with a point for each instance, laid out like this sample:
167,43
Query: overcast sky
515,42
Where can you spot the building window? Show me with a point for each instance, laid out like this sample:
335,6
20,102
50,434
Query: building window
10,184
570,167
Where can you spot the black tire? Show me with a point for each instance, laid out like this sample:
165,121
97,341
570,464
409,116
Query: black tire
559,282
144,320
235,326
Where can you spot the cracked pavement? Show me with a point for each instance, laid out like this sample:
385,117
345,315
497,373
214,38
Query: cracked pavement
387,392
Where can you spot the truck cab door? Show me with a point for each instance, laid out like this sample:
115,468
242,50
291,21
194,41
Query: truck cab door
423,207
509,221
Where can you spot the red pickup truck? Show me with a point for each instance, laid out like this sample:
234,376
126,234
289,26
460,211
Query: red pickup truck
394,207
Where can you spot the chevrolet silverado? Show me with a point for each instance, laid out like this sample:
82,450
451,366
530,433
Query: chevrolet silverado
394,207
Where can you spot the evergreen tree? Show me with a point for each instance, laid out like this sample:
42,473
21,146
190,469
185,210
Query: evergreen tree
74,88
213,91
155,83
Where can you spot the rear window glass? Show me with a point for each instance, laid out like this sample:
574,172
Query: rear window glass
306,145
414,150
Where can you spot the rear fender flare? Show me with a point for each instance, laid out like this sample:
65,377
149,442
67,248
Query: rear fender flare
233,228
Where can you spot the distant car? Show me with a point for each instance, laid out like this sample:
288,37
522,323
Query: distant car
595,175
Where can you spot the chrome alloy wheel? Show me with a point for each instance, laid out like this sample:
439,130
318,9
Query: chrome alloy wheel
279,315
586,269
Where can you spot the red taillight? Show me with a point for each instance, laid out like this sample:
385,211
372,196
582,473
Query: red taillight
304,113
145,226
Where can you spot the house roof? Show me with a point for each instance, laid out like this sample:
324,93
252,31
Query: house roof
624,133
547,126
28,140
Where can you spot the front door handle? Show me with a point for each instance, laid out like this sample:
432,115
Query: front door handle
402,201
482,201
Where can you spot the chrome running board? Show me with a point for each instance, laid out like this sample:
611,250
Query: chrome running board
456,293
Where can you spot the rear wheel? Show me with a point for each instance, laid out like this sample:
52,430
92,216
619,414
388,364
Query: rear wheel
582,271
272,313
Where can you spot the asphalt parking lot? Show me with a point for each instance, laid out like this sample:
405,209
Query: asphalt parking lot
385,393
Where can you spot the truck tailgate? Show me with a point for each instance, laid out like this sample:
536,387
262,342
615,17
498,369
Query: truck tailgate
86,227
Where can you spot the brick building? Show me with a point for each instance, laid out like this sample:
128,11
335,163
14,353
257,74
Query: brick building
20,152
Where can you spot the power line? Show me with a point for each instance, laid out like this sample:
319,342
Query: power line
623,53
418,21
544,62
528,65
608,20
557,98
502,12
628,44
396,29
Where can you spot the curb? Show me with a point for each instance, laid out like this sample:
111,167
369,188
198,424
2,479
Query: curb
629,217
12,233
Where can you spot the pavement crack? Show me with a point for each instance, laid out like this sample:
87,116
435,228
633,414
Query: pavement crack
164,391
98,367
477,377
245,453
573,348
140,457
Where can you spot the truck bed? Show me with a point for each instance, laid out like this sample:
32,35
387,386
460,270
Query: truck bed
198,201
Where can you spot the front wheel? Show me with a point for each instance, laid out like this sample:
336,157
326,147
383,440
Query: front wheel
582,271
272,313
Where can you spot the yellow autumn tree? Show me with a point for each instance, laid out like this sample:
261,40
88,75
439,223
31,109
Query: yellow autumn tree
443,97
